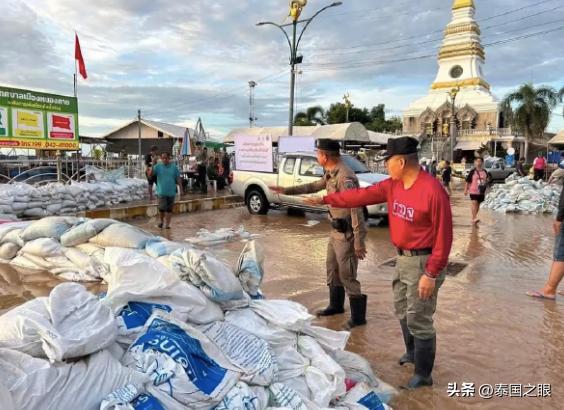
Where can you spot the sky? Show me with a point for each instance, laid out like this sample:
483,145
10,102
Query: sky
181,60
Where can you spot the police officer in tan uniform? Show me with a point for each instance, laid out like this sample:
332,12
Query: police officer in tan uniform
346,243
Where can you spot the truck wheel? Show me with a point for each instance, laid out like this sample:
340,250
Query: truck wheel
257,204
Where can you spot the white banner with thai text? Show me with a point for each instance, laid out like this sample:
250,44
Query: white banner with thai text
296,144
253,153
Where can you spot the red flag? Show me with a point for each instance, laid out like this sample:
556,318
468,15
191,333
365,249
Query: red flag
79,58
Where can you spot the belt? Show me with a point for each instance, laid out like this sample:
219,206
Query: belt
414,252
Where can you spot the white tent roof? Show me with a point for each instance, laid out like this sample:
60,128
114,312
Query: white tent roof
353,131
381,138
558,139
170,130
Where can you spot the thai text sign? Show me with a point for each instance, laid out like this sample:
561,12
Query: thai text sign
253,153
34,120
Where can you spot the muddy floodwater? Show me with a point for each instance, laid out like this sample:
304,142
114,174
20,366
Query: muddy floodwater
489,332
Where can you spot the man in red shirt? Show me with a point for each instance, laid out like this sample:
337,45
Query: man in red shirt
421,230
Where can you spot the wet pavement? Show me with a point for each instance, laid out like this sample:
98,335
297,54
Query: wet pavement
489,332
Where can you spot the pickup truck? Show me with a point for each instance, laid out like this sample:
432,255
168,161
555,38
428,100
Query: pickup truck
297,169
496,167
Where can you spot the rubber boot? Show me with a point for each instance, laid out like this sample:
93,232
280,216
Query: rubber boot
358,312
336,302
424,361
409,341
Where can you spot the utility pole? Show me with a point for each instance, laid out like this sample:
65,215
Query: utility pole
296,8
252,117
348,105
139,139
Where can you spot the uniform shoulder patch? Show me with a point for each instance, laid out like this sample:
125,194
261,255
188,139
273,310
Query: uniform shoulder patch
349,183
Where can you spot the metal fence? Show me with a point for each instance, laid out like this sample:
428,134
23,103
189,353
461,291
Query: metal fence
39,171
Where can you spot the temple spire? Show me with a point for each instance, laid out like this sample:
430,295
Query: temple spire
460,4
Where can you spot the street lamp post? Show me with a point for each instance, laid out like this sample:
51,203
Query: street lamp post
296,8
453,93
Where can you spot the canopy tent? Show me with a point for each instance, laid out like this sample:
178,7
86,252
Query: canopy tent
380,138
353,131
558,139
468,145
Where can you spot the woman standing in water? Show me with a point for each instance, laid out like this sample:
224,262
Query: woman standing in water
476,185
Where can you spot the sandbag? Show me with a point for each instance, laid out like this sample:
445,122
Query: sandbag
123,236
207,273
85,231
284,314
50,227
276,337
9,251
70,323
244,397
324,377
252,355
182,362
130,397
363,395
35,384
250,269
14,236
138,284
42,247
283,396
158,248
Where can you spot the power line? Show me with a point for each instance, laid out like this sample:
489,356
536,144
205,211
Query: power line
349,51
329,63
414,58
372,44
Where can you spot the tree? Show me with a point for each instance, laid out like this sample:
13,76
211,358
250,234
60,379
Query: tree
313,116
561,98
532,108
337,114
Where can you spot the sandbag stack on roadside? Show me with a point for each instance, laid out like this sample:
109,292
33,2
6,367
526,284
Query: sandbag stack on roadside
25,200
523,195
177,329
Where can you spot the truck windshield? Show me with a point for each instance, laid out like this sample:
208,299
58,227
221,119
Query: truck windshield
354,164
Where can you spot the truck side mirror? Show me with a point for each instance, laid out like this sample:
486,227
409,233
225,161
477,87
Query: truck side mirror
318,171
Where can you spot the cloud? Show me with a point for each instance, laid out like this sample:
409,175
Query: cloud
177,61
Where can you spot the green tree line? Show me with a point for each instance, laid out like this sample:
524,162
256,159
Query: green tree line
373,119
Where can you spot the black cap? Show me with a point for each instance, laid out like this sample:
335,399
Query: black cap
328,145
401,146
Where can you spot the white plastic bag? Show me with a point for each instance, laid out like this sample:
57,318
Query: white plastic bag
42,247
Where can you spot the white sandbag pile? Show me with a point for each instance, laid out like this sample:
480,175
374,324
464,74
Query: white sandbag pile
523,195
24,200
176,329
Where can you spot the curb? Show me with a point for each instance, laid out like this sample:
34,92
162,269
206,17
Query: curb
150,210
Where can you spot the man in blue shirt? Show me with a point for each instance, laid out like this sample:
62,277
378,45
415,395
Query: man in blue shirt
167,176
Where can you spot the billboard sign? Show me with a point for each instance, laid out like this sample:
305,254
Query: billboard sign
35,120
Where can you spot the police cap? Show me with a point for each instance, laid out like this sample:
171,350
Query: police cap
328,145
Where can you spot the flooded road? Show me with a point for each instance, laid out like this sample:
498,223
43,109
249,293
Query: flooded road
488,331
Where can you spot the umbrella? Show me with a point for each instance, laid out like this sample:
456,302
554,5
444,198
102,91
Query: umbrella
185,151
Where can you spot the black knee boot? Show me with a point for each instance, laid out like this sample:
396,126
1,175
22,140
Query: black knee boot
424,361
408,339
336,302
358,311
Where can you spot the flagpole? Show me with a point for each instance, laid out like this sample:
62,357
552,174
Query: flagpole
75,67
